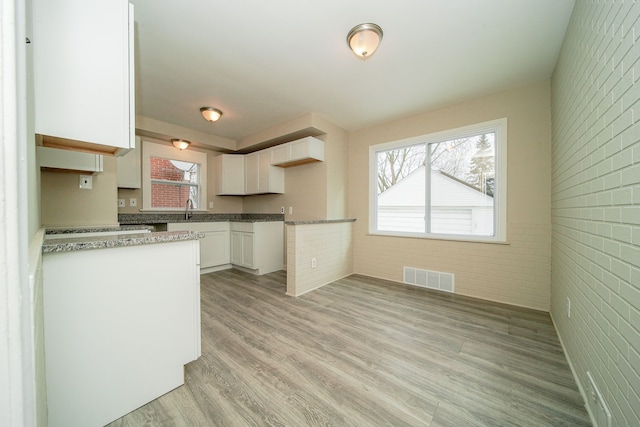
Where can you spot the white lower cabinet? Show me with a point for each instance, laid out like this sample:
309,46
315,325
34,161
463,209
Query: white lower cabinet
258,246
121,323
214,246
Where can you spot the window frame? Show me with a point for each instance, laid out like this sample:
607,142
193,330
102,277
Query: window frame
152,149
499,127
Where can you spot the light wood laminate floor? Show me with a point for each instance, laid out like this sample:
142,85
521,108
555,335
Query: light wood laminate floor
366,352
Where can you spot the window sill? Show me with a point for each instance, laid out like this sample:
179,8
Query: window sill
441,238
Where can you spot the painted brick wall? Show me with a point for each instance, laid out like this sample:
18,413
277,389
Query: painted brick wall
596,201
331,244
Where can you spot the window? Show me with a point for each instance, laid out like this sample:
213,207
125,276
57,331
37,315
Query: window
447,185
171,177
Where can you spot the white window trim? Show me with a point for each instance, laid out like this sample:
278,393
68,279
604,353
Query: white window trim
151,149
498,126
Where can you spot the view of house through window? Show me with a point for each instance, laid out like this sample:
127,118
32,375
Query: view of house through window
445,187
173,182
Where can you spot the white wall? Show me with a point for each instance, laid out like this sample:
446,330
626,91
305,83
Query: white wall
596,201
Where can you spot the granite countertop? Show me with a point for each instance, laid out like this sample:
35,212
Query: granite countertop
319,221
164,218
114,239
98,229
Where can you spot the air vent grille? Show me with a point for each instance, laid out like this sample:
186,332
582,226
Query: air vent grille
429,279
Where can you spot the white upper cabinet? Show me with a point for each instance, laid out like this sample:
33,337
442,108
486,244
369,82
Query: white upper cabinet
260,176
73,161
229,170
83,74
299,152
129,168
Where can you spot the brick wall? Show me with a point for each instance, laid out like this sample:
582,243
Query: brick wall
596,201
168,196
331,244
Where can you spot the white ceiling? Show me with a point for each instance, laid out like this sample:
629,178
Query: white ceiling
265,62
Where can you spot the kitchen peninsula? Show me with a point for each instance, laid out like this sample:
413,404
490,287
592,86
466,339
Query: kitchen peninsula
122,315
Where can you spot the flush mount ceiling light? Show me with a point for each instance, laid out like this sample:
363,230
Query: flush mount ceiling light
364,39
180,144
211,114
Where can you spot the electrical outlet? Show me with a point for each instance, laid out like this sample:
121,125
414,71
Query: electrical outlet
282,210
568,308
290,210
314,264
596,402
86,182
210,205
121,203
133,201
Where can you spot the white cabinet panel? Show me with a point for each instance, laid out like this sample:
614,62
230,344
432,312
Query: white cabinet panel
260,176
229,173
83,57
301,151
129,168
55,158
214,246
258,246
252,173
121,323
217,252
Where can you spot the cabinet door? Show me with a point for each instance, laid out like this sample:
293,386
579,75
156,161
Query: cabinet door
229,172
253,176
281,154
129,168
236,248
217,244
247,250
83,56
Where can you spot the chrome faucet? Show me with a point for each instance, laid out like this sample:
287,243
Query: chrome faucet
187,213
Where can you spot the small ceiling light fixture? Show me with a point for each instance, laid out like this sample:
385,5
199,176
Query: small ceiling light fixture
180,144
211,114
364,39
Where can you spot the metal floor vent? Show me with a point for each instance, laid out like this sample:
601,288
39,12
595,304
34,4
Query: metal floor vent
429,279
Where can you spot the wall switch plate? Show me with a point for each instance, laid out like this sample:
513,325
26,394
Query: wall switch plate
133,201
86,182
290,210
121,203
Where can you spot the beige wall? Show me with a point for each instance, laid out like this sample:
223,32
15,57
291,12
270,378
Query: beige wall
515,273
596,203
64,204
